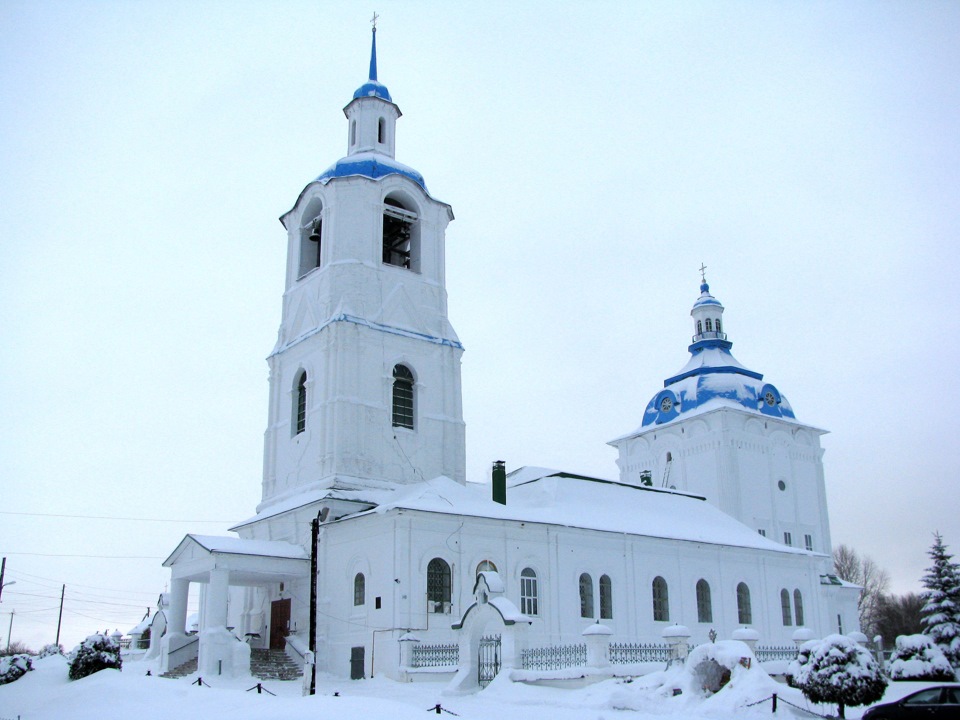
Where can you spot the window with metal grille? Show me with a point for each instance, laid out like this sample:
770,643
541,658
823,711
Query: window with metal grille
798,607
661,600
529,592
359,589
301,419
438,586
402,397
785,610
808,542
606,598
744,611
586,596
787,539
486,566
704,603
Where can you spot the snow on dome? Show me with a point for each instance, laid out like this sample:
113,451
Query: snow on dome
372,88
371,165
597,629
745,634
675,631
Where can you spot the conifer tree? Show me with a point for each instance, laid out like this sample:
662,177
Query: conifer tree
941,611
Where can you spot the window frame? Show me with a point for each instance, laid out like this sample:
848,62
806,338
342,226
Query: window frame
403,398
704,602
300,404
606,597
744,606
798,607
439,586
529,592
359,590
786,611
661,599
586,595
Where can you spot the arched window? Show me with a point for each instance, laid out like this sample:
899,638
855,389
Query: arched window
586,596
300,411
704,603
606,598
699,327
359,589
718,324
438,586
529,593
311,235
400,235
486,566
709,325
381,131
353,132
661,600
798,607
402,397
744,613
785,608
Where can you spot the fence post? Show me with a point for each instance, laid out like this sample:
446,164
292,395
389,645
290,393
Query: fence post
597,637
774,703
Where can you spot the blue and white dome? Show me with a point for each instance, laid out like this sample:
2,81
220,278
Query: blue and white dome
371,165
713,377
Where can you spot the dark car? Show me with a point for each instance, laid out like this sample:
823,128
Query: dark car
942,701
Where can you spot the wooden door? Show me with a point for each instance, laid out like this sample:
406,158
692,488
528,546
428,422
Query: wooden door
279,623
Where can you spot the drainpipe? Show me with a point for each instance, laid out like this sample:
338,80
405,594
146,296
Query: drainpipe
499,482
314,539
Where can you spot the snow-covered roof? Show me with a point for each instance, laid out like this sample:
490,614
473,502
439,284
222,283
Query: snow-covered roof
536,495
372,165
372,88
219,544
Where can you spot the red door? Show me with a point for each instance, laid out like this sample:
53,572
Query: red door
279,623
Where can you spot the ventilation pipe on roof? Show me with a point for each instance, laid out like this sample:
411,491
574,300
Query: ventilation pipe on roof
500,482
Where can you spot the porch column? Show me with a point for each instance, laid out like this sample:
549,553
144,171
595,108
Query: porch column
179,589
215,607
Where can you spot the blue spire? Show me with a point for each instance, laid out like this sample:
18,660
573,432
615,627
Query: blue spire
372,87
373,56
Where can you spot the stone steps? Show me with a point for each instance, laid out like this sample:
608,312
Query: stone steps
273,665
188,668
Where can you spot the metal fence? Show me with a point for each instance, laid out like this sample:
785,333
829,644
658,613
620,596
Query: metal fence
627,653
779,652
554,657
423,656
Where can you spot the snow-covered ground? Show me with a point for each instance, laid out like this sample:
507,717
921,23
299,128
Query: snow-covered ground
46,694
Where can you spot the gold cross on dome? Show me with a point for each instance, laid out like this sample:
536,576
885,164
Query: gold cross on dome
703,272
373,21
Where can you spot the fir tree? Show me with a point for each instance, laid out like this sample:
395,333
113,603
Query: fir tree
941,611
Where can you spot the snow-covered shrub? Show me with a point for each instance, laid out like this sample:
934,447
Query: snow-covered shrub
51,649
803,657
917,657
12,667
96,653
837,670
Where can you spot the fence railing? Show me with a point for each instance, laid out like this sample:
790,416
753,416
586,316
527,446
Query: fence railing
554,657
779,652
627,653
423,656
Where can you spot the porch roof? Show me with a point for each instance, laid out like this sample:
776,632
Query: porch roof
249,562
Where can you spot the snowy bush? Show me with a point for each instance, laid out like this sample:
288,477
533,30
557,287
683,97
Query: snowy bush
51,649
917,657
803,657
94,654
13,667
837,670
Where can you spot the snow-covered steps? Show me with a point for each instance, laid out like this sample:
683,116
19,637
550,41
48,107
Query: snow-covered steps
273,665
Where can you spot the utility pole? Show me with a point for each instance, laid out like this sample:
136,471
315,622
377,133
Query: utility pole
10,630
3,569
314,538
60,619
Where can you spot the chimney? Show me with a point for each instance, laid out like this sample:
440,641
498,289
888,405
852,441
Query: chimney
499,482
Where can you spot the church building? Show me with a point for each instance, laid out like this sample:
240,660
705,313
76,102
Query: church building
368,536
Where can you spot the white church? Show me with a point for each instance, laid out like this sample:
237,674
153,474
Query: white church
716,523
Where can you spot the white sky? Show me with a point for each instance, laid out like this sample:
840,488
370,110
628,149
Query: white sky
594,154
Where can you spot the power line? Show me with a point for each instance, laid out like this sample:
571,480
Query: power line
105,557
115,517
74,584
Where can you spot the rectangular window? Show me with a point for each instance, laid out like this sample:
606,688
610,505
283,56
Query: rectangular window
808,542
787,539
762,532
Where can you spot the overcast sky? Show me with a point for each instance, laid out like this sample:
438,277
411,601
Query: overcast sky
594,153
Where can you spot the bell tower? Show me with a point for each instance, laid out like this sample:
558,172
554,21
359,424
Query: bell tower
365,375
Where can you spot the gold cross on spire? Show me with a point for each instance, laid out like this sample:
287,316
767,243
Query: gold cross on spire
703,272
373,21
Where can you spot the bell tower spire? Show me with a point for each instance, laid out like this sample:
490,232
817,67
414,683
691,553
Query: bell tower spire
373,49
372,112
